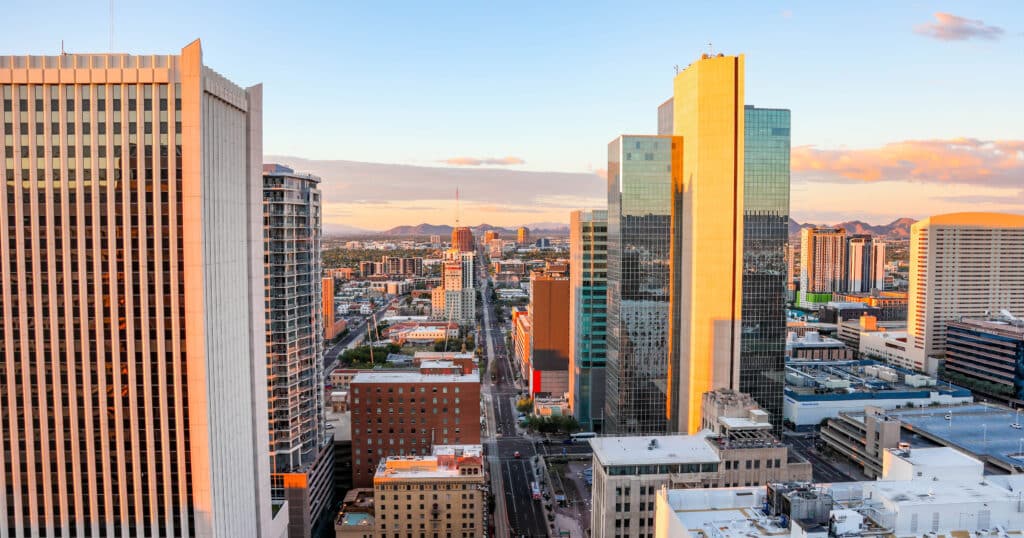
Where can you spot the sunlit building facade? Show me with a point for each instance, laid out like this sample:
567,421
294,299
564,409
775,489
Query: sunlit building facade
707,233
962,265
822,265
765,245
640,173
588,318
462,239
865,263
132,326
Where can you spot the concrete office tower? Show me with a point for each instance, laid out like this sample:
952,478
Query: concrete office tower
455,299
865,263
301,453
822,265
523,235
765,243
549,340
462,239
707,235
134,353
962,265
640,174
588,315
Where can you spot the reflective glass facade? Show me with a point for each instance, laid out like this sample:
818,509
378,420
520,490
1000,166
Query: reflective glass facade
588,279
639,235
765,240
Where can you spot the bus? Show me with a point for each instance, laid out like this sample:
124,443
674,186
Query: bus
576,437
535,489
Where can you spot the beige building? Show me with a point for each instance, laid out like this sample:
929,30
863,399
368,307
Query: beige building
822,265
863,437
131,300
962,265
726,403
443,494
629,471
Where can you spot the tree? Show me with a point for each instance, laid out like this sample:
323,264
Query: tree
524,405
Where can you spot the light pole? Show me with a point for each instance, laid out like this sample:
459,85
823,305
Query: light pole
984,434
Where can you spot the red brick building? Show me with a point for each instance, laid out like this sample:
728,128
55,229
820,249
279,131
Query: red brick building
396,413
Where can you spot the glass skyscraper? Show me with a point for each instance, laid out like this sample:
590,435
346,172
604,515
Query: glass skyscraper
588,325
765,239
640,172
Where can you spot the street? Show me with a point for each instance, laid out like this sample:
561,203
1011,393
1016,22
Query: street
824,469
355,332
517,514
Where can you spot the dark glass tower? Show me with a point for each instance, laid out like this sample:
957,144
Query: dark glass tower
765,238
639,237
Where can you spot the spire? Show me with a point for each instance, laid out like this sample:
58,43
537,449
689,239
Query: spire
456,206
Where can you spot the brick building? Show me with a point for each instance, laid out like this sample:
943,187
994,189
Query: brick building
398,413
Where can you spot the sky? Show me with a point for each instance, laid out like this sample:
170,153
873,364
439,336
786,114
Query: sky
898,108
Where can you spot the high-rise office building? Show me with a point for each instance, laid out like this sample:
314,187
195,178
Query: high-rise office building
523,235
765,244
455,299
962,265
588,315
865,263
134,349
549,340
640,174
707,235
301,454
822,265
462,239
491,235
792,270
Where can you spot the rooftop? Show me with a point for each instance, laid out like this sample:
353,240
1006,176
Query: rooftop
860,379
942,456
724,513
980,429
412,376
654,450
355,519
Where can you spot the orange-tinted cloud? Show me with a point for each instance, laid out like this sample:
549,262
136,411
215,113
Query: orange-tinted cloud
961,160
949,27
486,161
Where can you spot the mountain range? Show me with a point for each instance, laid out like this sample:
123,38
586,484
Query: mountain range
897,229
444,230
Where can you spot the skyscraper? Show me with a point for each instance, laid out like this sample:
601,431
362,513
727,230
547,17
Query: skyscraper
134,353
588,317
640,174
301,454
549,340
523,235
765,244
455,299
962,265
865,263
462,239
822,265
707,235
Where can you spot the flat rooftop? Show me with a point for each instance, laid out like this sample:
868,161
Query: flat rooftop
744,423
666,450
943,456
861,379
981,429
724,513
412,376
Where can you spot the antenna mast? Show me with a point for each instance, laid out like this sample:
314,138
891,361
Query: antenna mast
456,207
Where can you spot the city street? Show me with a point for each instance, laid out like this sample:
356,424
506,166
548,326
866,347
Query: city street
517,514
357,331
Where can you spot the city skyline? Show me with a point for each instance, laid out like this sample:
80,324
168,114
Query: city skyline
866,141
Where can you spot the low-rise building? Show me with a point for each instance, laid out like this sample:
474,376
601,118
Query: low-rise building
950,497
813,346
862,437
891,347
817,390
407,412
988,353
850,330
629,472
356,517
891,305
441,494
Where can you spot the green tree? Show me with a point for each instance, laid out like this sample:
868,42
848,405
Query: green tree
524,405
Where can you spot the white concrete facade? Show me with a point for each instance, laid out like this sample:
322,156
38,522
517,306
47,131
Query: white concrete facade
140,353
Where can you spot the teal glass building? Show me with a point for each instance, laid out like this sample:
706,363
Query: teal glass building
588,326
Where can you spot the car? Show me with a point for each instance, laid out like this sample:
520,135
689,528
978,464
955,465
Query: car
1015,426
949,417
517,455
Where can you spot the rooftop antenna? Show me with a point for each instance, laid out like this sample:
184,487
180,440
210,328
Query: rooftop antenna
111,27
456,206
62,53
711,49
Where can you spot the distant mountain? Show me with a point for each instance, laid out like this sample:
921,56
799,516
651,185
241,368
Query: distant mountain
344,230
445,230
897,229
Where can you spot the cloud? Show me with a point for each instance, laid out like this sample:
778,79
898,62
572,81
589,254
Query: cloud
487,161
1007,198
949,27
960,161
